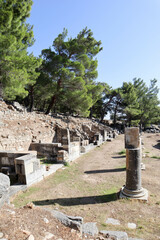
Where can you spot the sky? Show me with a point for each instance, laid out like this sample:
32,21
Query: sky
128,29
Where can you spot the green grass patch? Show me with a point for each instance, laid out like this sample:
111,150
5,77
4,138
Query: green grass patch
123,167
156,157
109,194
123,152
104,224
66,164
22,198
46,161
67,174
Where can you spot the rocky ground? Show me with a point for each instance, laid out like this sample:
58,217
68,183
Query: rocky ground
30,222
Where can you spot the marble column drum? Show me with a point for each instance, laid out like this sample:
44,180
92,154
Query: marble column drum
133,188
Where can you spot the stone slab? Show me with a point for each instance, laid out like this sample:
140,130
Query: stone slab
134,239
52,169
113,221
143,198
116,235
90,228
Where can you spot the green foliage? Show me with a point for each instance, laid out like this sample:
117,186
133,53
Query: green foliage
109,194
17,68
103,104
66,164
156,157
137,104
68,74
129,103
122,152
147,97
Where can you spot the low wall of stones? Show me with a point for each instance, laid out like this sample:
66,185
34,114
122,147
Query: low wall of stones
19,129
7,162
46,150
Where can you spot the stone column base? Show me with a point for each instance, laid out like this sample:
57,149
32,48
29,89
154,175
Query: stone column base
141,195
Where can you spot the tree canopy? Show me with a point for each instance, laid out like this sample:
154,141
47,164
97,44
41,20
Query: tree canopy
69,71
17,67
134,103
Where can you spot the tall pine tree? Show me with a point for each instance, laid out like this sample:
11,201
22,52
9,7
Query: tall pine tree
70,69
17,68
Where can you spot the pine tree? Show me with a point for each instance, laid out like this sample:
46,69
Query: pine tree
147,98
70,70
130,104
17,68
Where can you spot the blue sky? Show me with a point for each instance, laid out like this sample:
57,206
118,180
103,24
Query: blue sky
128,29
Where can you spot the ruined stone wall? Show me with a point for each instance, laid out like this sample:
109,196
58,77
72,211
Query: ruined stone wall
19,129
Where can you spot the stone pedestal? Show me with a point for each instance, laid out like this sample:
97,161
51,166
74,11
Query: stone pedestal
133,188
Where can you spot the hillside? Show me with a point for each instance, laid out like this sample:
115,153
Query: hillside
19,128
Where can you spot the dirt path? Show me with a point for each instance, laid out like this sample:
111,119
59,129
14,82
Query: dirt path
89,188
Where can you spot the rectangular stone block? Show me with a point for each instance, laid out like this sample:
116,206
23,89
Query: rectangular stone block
5,161
132,138
85,142
29,168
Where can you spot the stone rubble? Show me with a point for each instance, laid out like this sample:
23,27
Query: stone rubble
113,221
4,189
131,225
79,229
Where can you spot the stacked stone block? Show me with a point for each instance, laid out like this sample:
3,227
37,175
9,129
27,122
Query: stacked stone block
28,169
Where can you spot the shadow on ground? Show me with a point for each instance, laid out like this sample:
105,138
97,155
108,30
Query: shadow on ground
157,145
119,157
79,200
105,170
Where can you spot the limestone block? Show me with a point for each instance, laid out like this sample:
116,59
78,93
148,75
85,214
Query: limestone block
73,222
85,142
35,176
62,156
29,168
24,164
74,150
119,235
4,161
4,189
76,139
90,228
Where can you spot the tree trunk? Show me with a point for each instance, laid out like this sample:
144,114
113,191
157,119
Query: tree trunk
102,116
54,97
1,93
91,113
115,116
52,102
31,99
